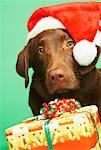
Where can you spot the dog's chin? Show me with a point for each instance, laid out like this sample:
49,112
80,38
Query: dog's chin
63,93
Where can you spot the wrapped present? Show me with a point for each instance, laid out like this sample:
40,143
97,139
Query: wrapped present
61,125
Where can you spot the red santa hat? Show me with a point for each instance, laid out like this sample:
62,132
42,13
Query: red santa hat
80,19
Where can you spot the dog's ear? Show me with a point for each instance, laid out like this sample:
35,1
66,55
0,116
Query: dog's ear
22,64
85,69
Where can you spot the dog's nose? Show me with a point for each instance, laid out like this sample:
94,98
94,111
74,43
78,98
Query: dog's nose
56,75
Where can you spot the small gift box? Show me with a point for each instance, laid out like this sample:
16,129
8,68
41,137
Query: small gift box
79,129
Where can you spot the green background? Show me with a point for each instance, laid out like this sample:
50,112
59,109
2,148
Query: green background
13,32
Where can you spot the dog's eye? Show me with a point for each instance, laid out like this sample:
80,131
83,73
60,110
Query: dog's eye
70,44
40,50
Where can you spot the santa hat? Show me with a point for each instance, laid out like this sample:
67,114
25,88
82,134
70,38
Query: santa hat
81,20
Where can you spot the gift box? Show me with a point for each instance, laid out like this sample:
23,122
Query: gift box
76,130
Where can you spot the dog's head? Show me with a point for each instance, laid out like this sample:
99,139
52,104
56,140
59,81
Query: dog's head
50,54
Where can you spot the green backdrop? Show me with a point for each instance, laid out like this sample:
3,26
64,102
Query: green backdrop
13,96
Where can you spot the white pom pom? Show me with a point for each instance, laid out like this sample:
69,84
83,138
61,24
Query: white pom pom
84,52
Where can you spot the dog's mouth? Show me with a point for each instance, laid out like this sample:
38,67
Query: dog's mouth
63,88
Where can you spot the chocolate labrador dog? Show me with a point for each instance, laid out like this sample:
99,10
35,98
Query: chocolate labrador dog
56,73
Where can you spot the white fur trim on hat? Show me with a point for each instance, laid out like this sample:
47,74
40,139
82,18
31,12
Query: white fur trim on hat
45,24
97,39
84,52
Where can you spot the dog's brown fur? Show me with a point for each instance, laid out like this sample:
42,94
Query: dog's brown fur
56,73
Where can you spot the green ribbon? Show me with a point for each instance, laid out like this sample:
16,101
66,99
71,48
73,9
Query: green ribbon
46,127
79,105
48,135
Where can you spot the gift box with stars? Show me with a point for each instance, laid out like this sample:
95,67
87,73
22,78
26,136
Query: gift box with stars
62,124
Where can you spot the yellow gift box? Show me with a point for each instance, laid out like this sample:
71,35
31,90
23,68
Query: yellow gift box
78,130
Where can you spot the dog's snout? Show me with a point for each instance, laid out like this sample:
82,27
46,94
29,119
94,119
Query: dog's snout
56,75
